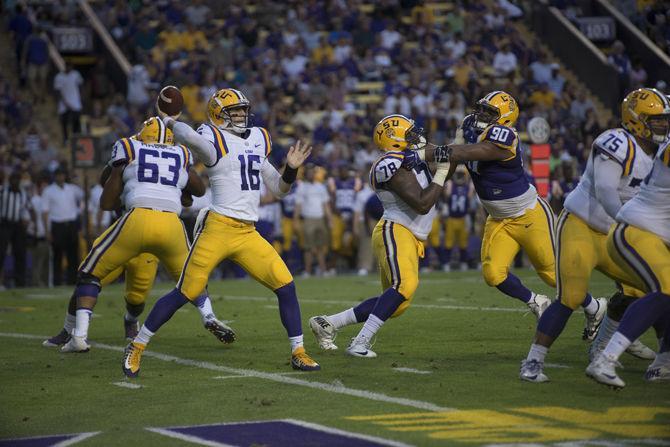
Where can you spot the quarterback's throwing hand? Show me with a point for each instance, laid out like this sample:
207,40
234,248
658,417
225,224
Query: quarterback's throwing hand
298,154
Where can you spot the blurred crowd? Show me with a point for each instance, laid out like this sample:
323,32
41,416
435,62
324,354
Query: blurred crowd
315,70
652,17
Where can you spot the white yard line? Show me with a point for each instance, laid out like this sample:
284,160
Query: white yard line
189,438
132,386
335,387
76,439
411,370
348,302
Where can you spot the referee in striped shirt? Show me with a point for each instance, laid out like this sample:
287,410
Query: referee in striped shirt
14,214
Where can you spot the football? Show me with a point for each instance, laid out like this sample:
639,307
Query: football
170,100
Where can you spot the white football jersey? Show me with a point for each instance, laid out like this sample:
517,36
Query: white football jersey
240,169
154,176
395,209
620,146
650,208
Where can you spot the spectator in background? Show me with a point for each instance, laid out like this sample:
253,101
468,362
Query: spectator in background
67,83
20,26
196,13
541,69
312,204
46,154
35,64
556,81
37,243
61,206
139,83
620,61
504,61
638,75
14,217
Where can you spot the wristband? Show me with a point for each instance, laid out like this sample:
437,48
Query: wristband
289,175
441,175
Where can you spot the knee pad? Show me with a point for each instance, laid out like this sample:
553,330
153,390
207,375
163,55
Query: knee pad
492,275
134,309
87,285
618,303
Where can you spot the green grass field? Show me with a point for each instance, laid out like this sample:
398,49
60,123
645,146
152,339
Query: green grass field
464,340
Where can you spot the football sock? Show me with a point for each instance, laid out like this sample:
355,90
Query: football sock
553,319
447,256
204,305
590,305
133,311
296,342
643,313
83,319
387,303
464,255
607,328
344,318
143,336
69,323
664,342
442,255
616,346
289,309
371,326
164,309
537,352
513,287
364,309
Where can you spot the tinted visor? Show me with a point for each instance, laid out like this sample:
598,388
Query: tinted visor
413,135
486,113
659,124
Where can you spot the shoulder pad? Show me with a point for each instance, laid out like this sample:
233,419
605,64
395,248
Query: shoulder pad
615,144
502,136
385,167
122,152
206,131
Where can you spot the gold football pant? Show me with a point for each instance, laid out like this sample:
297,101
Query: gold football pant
138,231
582,249
140,276
398,252
643,255
455,232
221,237
533,231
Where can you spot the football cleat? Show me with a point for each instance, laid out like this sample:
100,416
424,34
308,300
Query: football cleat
641,351
57,340
220,330
324,332
532,371
132,328
132,356
303,362
76,344
360,347
538,304
659,369
593,321
603,370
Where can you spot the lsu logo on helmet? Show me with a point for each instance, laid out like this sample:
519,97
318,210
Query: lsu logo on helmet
222,103
497,107
397,133
155,132
645,113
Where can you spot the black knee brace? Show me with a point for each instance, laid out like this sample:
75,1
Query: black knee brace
618,303
134,309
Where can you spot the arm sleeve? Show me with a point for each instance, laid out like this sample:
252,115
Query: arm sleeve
272,179
607,174
199,144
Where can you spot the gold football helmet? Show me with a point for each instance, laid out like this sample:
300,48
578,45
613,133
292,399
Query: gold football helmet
225,101
397,133
497,107
645,113
155,131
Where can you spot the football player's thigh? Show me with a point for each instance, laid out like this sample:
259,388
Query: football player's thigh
209,248
450,231
379,250
336,233
407,263
261,261
287,233
170,244
140,276
536,237
498,251
461,233
113,276
578,253
645,255
117,245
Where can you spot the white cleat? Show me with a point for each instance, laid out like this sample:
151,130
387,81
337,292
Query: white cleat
324,332
464,266
360,347
659,369
603,370
641,351
593,321
76,344
538,304
532,371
